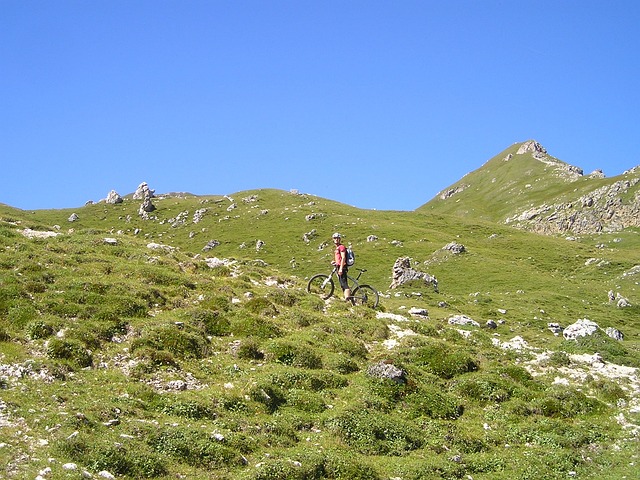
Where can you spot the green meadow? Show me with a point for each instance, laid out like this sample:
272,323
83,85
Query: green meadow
142,357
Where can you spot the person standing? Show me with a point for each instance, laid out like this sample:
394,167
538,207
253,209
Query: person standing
340,262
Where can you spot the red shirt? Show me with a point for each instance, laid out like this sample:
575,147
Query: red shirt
339,249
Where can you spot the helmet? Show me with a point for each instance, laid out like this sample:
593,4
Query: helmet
336,235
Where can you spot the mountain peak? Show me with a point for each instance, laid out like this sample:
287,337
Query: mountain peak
531,146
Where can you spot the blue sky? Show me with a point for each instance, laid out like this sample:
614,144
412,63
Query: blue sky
377,104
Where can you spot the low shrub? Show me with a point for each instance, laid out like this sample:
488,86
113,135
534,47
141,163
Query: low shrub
39,329
155,358
249,349
375,433
344,365
564,402
286,298
261,306
180,343
245,324
192,409
69,350
609,390
431,401
213,322
442,360
269,395
486,388
315,381
293,354
306,401
193,447
21,313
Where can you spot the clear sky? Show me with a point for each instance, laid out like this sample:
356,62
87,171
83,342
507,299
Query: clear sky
377,104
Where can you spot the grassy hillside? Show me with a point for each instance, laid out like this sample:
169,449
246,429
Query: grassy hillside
149,363
513,182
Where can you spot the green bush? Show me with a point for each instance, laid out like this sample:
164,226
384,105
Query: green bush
39,329
442,360
121,460
21,313
269,395
486,388
375,433
315,466
306,401
192,409
193,447
315,381
213,322
564,402
245,324
608,390
286,298
344,365
249,349
293,354
261,306
70,350
610,349
155,358
4,335
433,402
170,338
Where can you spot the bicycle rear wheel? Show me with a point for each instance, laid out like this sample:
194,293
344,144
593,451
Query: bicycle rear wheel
365,295
321,285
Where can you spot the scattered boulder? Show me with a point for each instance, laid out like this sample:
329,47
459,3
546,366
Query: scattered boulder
614,333
210,245
455,247
418,312
159,246
462,320
582,328
27,232
309,235
198,214
452,191
372,238
491,324
623,302
143,191
111,241
555,328
73,217
113,198
259,245
387,371
403,273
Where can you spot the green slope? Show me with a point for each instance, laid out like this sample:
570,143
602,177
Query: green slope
276,381
511,183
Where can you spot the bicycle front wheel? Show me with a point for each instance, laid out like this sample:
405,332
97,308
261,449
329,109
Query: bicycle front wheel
321,285
365,295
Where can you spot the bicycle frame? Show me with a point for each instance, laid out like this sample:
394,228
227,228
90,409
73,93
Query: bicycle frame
354,281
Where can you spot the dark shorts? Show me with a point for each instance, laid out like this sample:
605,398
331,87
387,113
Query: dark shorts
344,284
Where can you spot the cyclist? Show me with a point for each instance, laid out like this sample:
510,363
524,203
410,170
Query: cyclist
340,263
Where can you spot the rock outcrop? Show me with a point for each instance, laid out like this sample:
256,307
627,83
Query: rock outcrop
610,208
113,198
403,273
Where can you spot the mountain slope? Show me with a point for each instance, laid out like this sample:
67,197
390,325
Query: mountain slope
126,347
525,187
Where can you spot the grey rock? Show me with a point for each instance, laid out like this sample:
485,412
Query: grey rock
388,371
582,328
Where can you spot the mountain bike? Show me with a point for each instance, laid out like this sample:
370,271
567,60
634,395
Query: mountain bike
323,285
